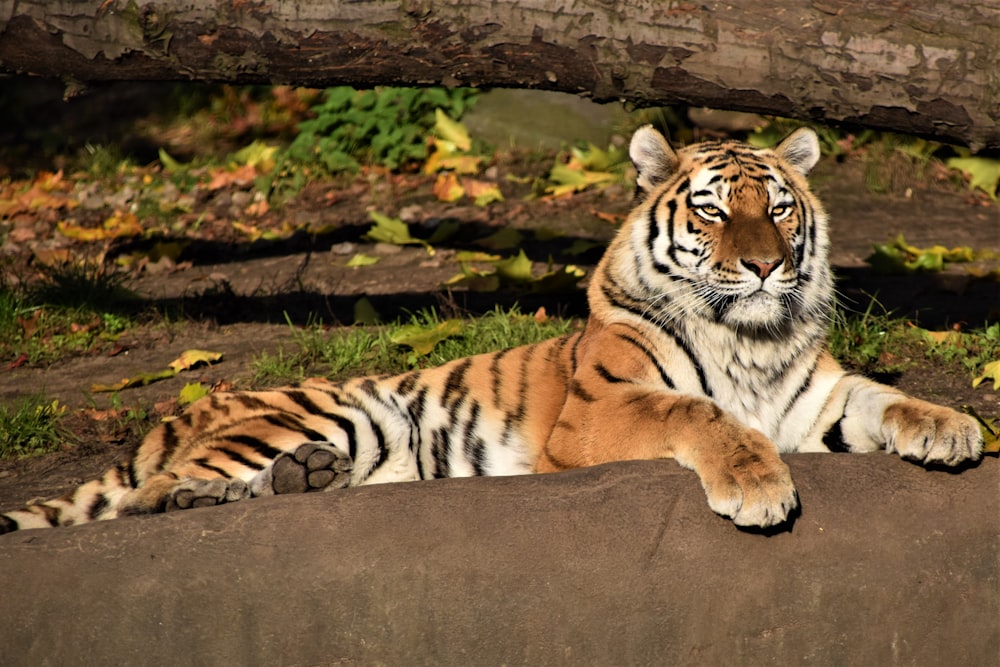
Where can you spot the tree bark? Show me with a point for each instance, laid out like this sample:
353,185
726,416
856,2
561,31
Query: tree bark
920,67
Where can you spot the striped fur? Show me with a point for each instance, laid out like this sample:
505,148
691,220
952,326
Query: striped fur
705,344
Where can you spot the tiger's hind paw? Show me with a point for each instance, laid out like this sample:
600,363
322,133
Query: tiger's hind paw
314,466
191,493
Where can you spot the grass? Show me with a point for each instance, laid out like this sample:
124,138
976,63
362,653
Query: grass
346,353
876,341
71,309
31,426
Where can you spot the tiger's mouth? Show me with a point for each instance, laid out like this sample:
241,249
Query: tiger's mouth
757,310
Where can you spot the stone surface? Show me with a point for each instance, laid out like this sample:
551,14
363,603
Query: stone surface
621,564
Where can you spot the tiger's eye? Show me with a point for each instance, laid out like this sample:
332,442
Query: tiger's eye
710,210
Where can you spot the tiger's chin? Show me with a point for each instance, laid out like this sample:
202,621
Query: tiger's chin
758,312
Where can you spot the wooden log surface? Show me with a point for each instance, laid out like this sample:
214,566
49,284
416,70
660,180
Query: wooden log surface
920,67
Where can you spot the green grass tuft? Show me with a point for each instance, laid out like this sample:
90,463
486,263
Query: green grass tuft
346,353
30,427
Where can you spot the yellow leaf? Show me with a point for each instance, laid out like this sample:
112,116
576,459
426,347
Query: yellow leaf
447,188
991,371
451,130
191,358
483,192
192,392
361,259
983,172
140,380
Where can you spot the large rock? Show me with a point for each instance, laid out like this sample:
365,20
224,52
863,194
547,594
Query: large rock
622,564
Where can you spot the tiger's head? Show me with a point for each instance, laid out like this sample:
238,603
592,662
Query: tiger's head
724,231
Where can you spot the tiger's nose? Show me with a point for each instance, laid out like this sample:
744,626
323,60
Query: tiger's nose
760,267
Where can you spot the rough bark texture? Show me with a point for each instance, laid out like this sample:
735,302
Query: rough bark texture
888,564
922,67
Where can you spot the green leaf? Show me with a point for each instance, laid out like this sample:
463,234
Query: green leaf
169,163
394,231
504,239
516,269
192,392
559,280
983,172
365,313
422,339
257,154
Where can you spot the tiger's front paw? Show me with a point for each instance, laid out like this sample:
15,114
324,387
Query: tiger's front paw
752,489
931,434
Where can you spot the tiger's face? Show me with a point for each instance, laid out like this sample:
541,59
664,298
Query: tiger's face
732,232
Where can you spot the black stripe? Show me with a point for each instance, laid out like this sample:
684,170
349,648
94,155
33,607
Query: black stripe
203,463
802,388
652,358
834,438
576,389
407,384
641,313
455,383
99,505
441,449
256,444
290,422
472,444
496,375
607,375
301,399
242,460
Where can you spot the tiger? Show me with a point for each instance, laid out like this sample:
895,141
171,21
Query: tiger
706,343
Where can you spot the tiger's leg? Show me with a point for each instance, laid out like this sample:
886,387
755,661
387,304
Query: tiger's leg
872,416
313,466
739,468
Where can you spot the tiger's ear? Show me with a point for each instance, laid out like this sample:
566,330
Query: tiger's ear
653,158
800,150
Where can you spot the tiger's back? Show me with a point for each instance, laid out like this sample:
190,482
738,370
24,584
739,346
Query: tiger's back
705,344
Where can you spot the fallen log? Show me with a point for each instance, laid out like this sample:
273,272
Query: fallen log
922,67
622,564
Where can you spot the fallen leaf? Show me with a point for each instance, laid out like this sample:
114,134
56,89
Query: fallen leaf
447,188
361,259
451,130
394,231
983,172
991,371
422,339
191,358
191,392
483,193
503,239
139,380
365,313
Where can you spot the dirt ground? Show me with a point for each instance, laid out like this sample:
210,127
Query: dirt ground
235,295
